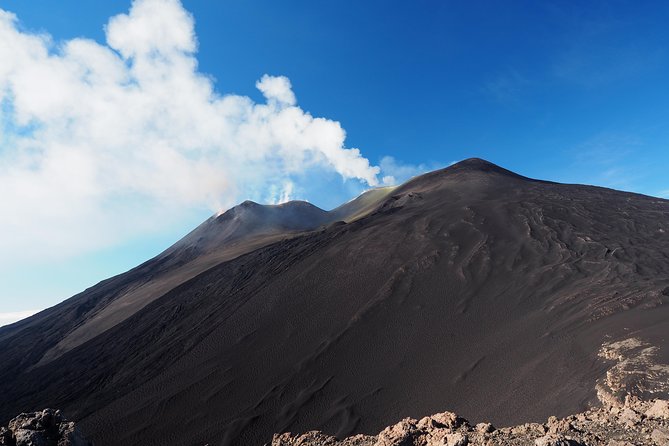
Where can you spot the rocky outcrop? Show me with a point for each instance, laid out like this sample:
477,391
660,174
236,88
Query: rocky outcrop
633,423
45,428
626,417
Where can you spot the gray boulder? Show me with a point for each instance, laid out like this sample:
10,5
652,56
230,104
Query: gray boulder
45,428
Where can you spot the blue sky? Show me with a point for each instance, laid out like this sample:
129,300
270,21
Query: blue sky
568,91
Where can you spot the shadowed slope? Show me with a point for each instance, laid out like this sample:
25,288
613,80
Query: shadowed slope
470,288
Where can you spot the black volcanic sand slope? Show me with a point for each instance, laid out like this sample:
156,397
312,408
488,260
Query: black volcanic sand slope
469,289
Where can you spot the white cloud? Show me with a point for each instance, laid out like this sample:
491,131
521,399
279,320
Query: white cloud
10,318
99,143
277,89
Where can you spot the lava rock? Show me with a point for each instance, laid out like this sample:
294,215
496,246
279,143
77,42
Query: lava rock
659,409
45,428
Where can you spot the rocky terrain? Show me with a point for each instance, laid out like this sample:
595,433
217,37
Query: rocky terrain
622,417
471,289
634,423
45,428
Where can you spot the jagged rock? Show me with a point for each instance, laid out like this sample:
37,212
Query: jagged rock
555,426
660,437
428,423
400,434
484,428
659,409
26,437
5,436
448,419
529,429
307,438
629,417
70,436
456,439
555,440
45,428
634,423
318,438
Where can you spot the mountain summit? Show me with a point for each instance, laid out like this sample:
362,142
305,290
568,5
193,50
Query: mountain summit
470,288
477,164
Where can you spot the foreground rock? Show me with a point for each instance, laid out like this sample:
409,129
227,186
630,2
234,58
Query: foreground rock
632,423
45,428
626,417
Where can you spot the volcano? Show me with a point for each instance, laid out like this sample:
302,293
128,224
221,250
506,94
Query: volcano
471,288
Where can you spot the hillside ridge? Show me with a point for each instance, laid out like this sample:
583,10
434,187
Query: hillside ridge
458,285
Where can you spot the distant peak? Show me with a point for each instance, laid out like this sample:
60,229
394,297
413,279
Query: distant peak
285,204
480,165
475,164
296,203
242,208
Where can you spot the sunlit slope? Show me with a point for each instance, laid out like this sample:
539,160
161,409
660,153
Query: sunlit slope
470,289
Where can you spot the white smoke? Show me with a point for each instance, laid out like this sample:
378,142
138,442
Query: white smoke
99,142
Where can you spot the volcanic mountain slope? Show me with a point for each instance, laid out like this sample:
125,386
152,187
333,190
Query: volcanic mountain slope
471,289
239,230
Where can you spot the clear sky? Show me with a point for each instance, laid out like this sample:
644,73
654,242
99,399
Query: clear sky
124,126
